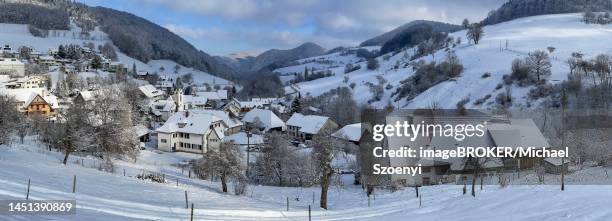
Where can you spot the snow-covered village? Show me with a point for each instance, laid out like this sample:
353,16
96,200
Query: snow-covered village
258,110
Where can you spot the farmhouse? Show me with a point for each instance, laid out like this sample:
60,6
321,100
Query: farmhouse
498,132
351,133
264,120
304,127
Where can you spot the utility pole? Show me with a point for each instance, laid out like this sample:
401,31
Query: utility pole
248,150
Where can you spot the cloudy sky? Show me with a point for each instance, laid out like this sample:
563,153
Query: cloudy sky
221,27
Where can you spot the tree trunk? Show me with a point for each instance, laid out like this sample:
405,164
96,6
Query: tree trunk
324,187
67,152
223,183
473,185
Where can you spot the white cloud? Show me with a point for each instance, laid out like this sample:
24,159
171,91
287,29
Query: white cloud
195,33
283,24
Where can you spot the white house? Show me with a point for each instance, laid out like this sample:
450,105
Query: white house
195,131
265,119
33,81
12,66
190,131
304,127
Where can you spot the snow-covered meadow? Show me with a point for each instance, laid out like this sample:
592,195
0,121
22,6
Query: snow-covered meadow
566,32
113,196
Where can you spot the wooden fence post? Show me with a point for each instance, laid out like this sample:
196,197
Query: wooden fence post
368,200
191,211
186,201
309,219
28,192
287,203
420,201
74,184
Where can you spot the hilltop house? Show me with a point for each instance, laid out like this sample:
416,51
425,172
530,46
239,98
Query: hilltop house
264,120
195,131
142,75
12,66
304,127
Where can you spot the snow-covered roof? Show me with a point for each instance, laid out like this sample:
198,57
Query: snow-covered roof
88,95
192,122
142,73
350,132
162,105
4,77
555,161
310,124
267,118
241,139
10,61
519,132
194,100
209,95
229,121
46,58
141,130
150,91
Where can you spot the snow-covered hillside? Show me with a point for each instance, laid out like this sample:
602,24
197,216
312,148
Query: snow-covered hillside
112,196
566,32
17,35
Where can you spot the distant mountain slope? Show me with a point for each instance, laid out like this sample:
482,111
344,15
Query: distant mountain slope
524,8
408,27
524,35
133,35
272,59
38,16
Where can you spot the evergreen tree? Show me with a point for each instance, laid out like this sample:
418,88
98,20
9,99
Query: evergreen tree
296,105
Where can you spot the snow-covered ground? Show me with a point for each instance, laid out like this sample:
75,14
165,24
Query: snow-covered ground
566,32
17,35
112,196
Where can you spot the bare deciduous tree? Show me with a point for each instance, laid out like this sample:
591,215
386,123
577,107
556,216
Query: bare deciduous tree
226,163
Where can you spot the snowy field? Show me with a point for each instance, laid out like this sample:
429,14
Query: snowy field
112,196
566,32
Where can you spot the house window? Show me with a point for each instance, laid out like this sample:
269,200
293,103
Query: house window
164,141
187,136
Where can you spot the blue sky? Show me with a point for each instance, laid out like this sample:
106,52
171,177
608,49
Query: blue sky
221,27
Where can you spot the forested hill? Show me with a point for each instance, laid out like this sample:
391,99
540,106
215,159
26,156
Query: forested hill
523,8
133,35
